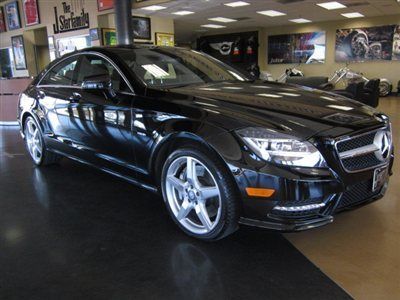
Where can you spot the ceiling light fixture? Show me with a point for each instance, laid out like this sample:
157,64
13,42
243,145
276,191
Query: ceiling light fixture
212,26
237,4
154,7
300,21
222,20
353,15
271,13
331,5
183,13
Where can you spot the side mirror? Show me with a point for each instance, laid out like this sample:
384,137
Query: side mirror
102,82
99,83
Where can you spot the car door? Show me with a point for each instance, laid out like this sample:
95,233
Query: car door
101,125
54,93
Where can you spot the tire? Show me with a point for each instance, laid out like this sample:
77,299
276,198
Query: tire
187,200
36,146
385,88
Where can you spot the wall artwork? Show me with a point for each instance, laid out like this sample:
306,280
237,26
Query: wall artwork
31,12
108,37
70,44
72,16
239,50
165,39
12,15
17,43
308,48
141,28
94,34
105,4
2,21
367,44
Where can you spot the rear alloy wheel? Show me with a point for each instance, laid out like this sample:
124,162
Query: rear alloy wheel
35,144
196,197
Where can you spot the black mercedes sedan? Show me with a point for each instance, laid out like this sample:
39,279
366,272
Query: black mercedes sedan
222,149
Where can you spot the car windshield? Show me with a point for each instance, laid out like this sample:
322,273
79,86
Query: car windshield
171,67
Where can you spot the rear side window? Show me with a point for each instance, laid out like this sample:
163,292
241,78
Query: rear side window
92,66
61,74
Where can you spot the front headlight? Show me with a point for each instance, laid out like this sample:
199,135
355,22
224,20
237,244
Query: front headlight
282,149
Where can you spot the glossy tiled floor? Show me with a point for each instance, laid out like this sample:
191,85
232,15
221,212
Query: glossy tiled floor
71,232
361,250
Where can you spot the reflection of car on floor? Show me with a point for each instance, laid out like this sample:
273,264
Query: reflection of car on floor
220,148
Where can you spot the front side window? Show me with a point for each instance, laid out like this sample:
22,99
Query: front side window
166,67
92,66
62,73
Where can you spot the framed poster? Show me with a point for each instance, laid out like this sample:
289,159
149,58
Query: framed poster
12,15
108,37
17,43
165,39
308,48
31,12
141,28
2,22
365,43
94,34
105,4
73,43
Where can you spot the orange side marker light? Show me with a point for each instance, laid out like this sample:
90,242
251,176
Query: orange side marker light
257,192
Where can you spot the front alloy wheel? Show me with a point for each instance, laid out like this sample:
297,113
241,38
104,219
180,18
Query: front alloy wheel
36,146
33,141
193,189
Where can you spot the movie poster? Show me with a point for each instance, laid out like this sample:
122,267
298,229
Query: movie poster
17,43
367,44
2,22
12,15
31,12
105,4
308,48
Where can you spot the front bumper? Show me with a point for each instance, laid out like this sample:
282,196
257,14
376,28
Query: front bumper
303,202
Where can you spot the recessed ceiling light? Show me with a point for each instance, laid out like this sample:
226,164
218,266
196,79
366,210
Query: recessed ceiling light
154,7
300,20
183,13
212,26
222,20
271,13
331,5
353,15
237,4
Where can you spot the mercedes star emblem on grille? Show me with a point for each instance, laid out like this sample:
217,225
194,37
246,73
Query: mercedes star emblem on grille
382,141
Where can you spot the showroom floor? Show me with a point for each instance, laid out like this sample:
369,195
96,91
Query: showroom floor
72,232
361,250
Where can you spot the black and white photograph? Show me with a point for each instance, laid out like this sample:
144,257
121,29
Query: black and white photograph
141,28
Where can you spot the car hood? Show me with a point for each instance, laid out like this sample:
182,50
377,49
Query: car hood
284,107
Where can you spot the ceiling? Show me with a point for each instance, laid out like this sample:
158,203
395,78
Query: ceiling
188,27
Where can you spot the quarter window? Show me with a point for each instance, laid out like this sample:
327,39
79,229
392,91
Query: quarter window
61,74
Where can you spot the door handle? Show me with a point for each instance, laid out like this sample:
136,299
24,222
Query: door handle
75,97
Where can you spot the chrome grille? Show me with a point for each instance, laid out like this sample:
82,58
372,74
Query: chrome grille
364,151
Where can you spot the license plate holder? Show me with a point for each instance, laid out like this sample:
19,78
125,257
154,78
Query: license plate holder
379,178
